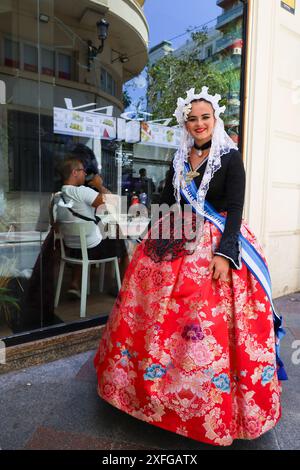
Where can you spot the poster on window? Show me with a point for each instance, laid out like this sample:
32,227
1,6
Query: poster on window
84,124
133,132
157,134
121,129
289,5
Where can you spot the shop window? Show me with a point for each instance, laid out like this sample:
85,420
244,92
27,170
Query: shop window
64,66
48,61
209,52
26,149
103,79
30,58
107,83
11,53
114,88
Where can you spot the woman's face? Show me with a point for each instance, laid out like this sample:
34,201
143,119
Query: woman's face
201,122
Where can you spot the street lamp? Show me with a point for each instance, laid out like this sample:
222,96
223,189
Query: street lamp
93,51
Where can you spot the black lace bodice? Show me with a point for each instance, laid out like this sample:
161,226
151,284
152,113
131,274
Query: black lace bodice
226,193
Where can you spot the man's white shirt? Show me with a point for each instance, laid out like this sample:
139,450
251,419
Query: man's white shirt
80,200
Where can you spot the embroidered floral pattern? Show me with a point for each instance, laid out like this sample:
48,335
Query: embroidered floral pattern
267,374
222,382
191,354
155,371
192,333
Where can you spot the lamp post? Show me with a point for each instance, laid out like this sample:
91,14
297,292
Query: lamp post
93,51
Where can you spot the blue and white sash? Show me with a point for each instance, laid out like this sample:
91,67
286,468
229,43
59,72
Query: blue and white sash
251,258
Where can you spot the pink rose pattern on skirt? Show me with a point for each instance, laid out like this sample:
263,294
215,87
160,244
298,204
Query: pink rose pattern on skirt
191,354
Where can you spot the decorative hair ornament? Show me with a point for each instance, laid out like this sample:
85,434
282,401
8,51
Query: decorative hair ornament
220,145
184,106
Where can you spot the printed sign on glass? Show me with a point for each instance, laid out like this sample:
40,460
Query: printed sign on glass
133,131
157,134
83,124
289,5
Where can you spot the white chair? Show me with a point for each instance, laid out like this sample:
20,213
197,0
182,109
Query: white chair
80,230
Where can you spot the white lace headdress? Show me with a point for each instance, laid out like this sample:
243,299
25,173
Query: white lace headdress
221,142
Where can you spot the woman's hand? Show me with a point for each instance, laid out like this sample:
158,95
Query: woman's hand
219,266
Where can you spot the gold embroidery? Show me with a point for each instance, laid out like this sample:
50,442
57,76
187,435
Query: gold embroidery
191,175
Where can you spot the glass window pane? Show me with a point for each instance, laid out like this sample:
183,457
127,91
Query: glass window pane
64,66
32,149
48,62
114,88
30,58
103,79
209,51
11,53
109,84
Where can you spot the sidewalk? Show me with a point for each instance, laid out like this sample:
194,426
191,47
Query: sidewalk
55,406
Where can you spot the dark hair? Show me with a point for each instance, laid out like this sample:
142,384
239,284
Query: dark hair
205,101
87,158
202,99
67,166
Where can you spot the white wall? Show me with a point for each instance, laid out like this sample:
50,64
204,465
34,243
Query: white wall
272,144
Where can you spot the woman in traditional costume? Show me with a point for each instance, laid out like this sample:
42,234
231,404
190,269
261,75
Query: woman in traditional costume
192,343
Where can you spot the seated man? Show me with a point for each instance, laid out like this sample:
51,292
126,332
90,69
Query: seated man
88,159
76,203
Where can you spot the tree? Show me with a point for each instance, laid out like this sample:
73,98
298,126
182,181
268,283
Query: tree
173,75
126,99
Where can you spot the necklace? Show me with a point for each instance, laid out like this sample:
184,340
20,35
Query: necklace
199,148
190,175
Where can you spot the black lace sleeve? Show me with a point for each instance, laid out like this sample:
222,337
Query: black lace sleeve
235,193
167,197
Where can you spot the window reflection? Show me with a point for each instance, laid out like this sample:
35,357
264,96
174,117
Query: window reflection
43,68
48,62
11,53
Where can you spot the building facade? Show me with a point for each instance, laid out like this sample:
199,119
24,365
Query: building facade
272,137
44,59
46,63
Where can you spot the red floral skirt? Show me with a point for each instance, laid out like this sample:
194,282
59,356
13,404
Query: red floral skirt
191,354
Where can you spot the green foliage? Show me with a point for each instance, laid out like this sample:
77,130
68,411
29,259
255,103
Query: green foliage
5,298
6,302
172,76
126,99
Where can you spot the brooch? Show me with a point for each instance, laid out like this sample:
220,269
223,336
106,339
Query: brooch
191,175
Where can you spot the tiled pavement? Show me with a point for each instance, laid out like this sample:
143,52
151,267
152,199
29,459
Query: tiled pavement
55,406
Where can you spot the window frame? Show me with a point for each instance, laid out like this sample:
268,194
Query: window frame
54,61
68,54
11,39
113,91
22,47
21,61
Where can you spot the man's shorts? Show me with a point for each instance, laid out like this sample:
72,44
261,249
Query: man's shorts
107,248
